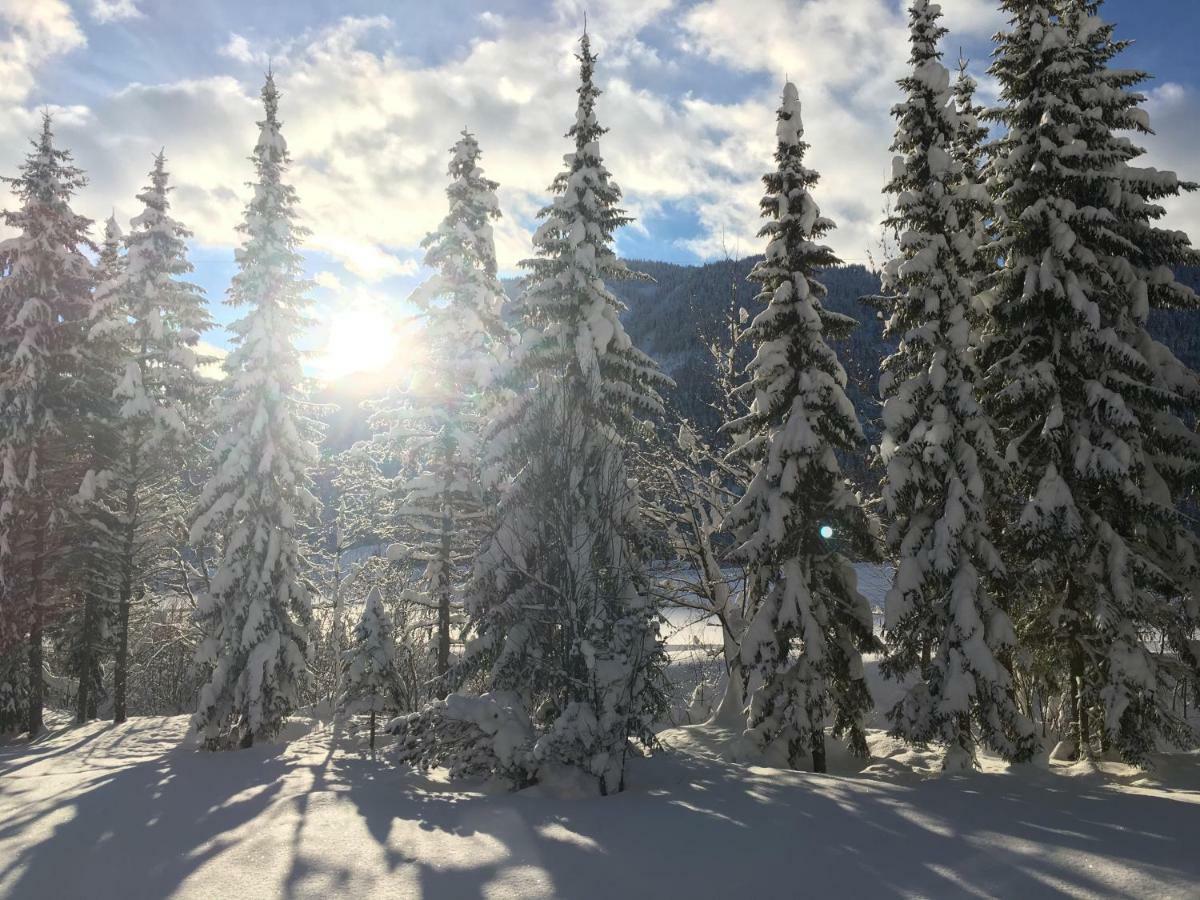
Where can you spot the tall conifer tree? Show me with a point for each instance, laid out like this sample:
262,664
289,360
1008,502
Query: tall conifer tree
45,290
1091,405
938,446
445,506
801,653
561,617
257,612
84,630
156,319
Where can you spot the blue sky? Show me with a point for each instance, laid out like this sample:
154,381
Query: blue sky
375,91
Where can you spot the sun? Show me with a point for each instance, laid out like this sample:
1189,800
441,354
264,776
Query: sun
367,341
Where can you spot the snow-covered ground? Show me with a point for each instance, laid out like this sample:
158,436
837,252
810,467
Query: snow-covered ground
136,811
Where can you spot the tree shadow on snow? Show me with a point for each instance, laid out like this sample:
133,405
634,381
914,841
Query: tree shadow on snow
143,823
697,828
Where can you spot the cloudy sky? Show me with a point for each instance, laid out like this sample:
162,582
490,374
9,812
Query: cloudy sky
375,92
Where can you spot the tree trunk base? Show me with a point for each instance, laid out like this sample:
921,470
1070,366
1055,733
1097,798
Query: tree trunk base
818,752
35,723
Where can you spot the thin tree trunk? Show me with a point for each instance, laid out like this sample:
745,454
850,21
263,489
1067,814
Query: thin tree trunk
35,674
1081,719
926,654
337,616
443,648
372,731
121,670
85,700
82,701
36,679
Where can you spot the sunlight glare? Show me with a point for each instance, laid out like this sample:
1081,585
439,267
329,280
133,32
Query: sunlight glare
365,341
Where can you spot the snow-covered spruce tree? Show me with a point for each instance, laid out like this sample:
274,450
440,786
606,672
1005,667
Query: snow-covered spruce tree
84,630
937,445
1090,404
801,651
444,505
369,676
156,318
45,289
562,629
258,498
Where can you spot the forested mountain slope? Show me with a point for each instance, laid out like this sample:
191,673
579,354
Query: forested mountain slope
675,316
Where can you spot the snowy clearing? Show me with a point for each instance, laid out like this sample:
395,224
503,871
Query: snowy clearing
136,811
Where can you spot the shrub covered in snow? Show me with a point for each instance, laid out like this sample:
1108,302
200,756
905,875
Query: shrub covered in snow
370,681
471,736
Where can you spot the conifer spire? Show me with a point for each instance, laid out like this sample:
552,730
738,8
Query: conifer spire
560,617
1093,408
257,611
45,291
801,652
942,621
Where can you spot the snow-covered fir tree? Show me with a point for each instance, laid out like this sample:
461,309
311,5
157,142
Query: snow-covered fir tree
562,627
943,620
155,317
1092,407
444,504
369,677
258,499
45,290
801,651
85,624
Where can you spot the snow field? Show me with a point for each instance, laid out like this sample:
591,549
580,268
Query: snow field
136,810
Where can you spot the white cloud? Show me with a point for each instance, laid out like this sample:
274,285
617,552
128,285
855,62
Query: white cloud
1175,116
976,18
105,11
844,56
238,49
329,281
369,133
369,127
32,32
